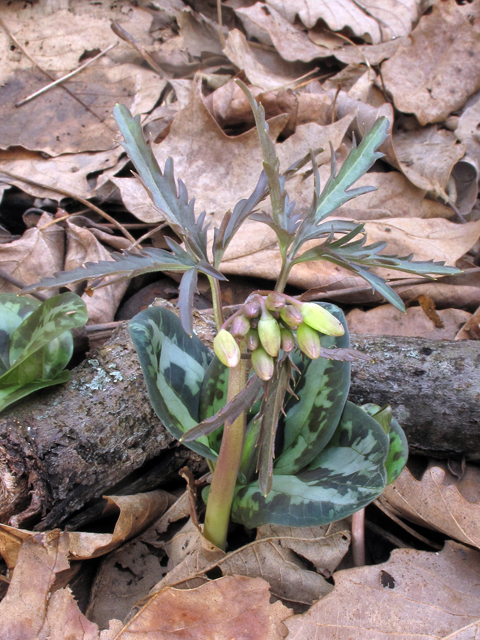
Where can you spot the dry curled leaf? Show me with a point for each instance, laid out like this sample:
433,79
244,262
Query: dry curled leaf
439,501
415,595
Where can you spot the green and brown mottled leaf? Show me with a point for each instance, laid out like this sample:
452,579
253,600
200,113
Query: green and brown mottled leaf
347,475
311,420
174,365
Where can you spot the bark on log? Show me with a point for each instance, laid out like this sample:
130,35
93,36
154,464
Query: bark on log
67,446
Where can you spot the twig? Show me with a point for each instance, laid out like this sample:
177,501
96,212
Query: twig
69,75
147,235
358,538
220,24
69,194
387,535
124,35
20,285
409,530
48,74
106,326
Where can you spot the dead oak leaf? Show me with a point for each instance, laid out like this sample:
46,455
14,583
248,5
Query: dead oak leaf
437,501
231,607
373,21
435,73
416,595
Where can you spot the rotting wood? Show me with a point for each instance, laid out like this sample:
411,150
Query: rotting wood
69,445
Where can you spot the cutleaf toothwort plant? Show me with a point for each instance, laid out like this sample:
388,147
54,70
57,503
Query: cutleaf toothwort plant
269,409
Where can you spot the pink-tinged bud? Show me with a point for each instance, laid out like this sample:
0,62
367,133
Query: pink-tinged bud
262,364
226,349
252,340
288,340
274,301
240,326
291,316
322,320
308,341
269,333
252,309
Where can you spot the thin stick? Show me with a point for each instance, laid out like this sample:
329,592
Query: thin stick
20,285
405,526
69,194
358,538
147,235
121,33
220,24
48,74
69,75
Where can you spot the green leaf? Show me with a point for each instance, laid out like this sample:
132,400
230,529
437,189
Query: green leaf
214,397
13,310
347,475
49,321
176,208
14,392
322,391
174,367
398,451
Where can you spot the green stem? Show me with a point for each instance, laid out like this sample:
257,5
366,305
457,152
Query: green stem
216,301
283,277
224,478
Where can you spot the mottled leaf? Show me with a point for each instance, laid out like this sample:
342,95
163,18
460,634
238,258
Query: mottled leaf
13,392
174,366
214,397
13,310
347,475
398,452
49,321
322,391
231,411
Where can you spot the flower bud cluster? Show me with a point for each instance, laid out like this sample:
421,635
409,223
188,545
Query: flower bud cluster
273,323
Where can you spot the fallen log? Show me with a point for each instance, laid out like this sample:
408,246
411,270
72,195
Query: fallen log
69,445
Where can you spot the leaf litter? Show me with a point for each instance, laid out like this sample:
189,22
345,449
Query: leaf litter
322,71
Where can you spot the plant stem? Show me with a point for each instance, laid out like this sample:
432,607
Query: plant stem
358,538
216,301
224,478
283,277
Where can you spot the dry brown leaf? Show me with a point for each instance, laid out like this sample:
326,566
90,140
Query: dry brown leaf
67,171
136,513
375,22
428,153
275,556
395,197
39,252
388,321
444,296
471,329
65,621
231,607
126,575
55,122
22,611
437,501
446,42
262,66
218,170
374,53
468,126
83,247
428,596
290,42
